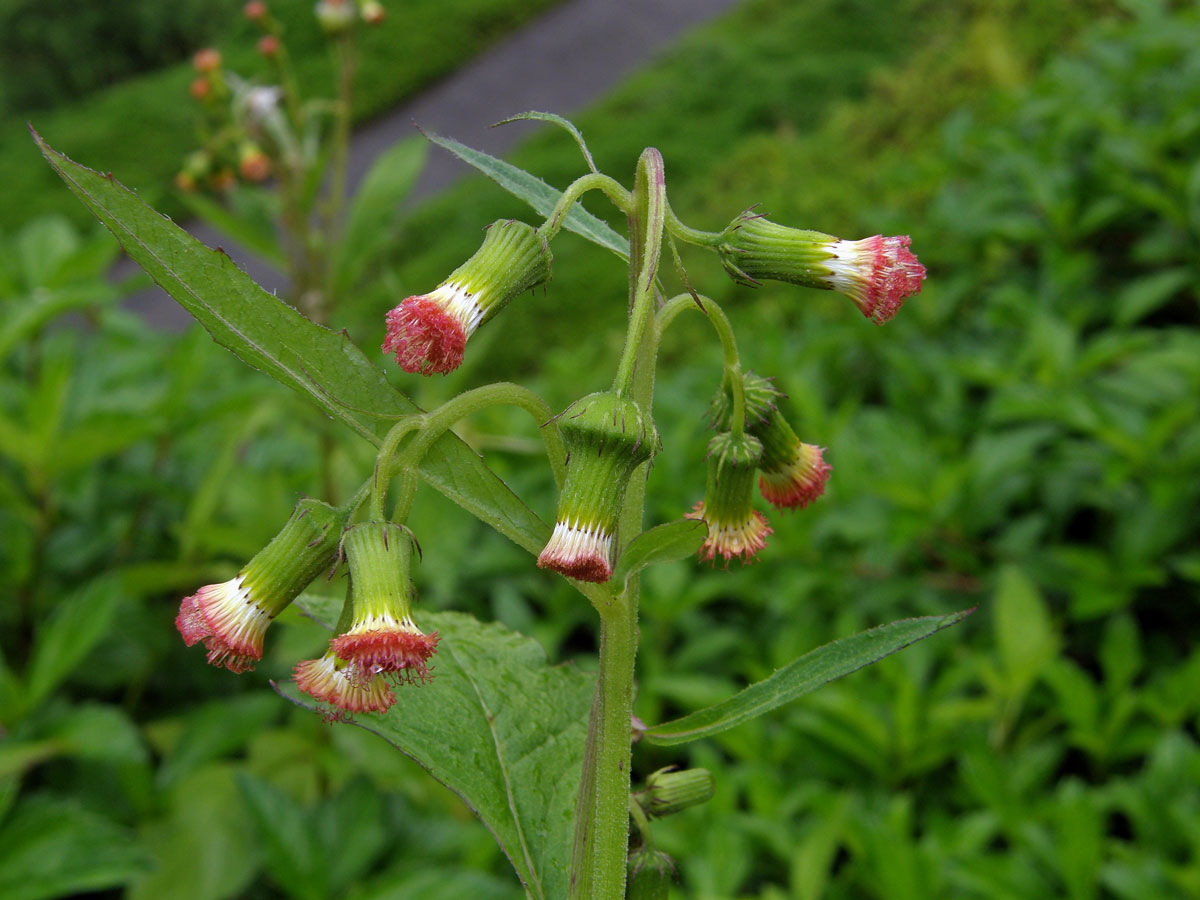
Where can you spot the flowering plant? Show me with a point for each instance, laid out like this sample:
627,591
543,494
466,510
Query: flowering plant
478,706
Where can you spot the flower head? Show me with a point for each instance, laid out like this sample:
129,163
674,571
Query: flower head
342,686
735,528
231,618
382,638
607,438
877,273
427,333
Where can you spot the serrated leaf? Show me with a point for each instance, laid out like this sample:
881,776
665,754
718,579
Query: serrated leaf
320,364
541,196
75,627
55,849
565,124
505,731
660,544
797,678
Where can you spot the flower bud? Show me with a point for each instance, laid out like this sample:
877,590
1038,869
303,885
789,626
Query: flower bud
428,333
792,473
877,273
373,12
343,686
253,164
335,16
606,437
231,618
222,179
735,528
650,875
268,46
381,638
206,60
671,790
200,88
255,10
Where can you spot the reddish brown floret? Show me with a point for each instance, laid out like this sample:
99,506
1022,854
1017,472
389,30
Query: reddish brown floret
400,654
424,338
324,680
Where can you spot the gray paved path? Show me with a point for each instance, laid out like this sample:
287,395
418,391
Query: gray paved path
560,62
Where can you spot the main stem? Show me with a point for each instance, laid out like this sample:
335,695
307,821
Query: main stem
602,814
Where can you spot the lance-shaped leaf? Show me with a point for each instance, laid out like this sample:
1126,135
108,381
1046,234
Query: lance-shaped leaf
566,124
323,365
541,196
502,729
809,672
660,544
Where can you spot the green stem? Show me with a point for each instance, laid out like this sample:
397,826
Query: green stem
720,323
612,188
432,425
690,235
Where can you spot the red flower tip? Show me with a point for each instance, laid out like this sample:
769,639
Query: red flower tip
206,60
742,537
878,273
228,620
342,687
400,653
425,338
578,551
798,483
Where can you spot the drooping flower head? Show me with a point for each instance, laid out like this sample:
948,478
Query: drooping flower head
735,527
341,685
381,637
877,273
428,333
231,618
792,473
606,437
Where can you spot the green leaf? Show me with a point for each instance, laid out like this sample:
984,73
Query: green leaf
320,364
1025,637
660,544
504,731
218,728
205,848
1144,295
254,235
802,676
75,627
55,849
566,124
290,848
375,209
541,196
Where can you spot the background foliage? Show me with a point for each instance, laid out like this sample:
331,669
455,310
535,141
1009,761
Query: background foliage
1024,436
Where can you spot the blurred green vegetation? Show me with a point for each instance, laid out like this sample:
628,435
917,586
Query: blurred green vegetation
1023,436
420,42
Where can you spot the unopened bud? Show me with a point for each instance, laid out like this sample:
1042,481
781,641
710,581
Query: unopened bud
268,46
253,164
335,16
200,88
671,790
650,875
607,437
735,527
877,273
206,60
231,618
428,333
255,10
373,12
